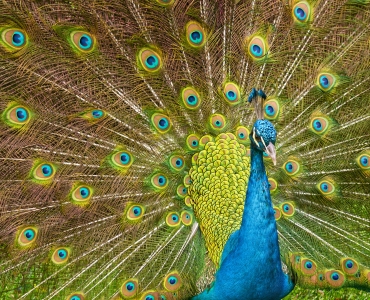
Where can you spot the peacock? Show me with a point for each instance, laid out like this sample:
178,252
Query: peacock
183,149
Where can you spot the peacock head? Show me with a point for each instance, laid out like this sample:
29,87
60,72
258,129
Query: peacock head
263,138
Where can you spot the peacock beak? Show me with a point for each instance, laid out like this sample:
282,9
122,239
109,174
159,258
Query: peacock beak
270,149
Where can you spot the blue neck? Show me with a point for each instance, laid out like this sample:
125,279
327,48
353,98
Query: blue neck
258,223
251,266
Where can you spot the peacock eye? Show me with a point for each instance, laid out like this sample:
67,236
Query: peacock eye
122,159
192,142
16,115
190,97
242,134
272,109
277,213
149,295
363,161
83,41
76,296
187,180
172,282
129,288
97,113
150,60
301,11
161,122
231,93
291,167
319,125
287,209
177,163
308,266
186,218
13,39
27,236
18,39
217,122
195,34
257,47
43,172
159,181
60,256
181,191
335,278
135,212
349,266
173,219
326,187
272,185
326,81
81,194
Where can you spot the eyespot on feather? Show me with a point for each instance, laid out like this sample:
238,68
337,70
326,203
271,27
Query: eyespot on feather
187,180
308,267
349,266
277,213
94,115
173,219
134,211
122,159
326,187
363,160
186,218
81,194
291,167
287,209
83,41
27,236
190,98
231,93
150,60
257,48
325,81
150,295
195,34
272,185
217,122
129,288
13,39
172,282
43,172
159,181
177,163
271,109
335,278
301,12
192,142
76,296
17,116
181,191
161,122
319,125
188,201
60,255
